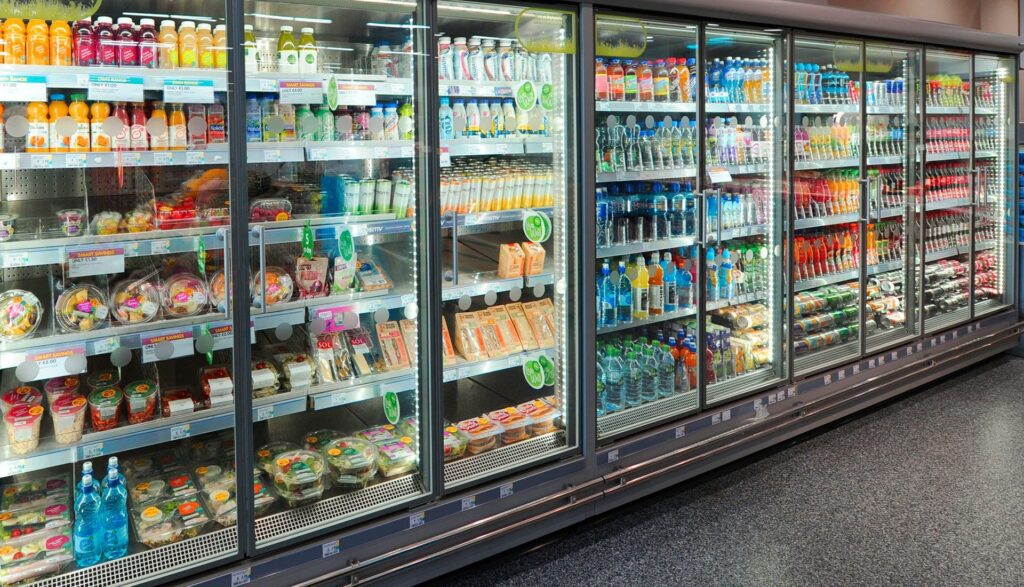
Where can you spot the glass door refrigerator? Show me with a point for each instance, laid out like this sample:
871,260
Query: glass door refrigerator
115,336
506,123
336,184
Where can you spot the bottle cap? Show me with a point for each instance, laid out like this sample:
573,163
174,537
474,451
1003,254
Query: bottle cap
204,26
188,23
307,30
104,20
147,22
124,20
287,28
247,27
220,27
170,23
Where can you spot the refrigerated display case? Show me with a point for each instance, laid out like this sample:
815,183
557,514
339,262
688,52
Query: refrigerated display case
506,123
336,184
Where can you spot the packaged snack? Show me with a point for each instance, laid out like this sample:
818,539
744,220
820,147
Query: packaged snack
510,261
102,378
280,286
261,494
270,210
175,212
68,413
352,461
212,446
106,223
498,316
513,421
371,277
493,343
179,400
266,453
21,395
467,337
139,220
184,295
446,343
392,346
19,523
35,491
323,358
148,490
344,264
454,444
395,458
135,301
377,434
522,325
7,222
219,291
72,221
142,398
104,405
316,440
23,423
534,258
298,476
222,506
170,521
298,369
179,483
215,382
139,467
214,475
364,354
265,378
342,357
542,417
311,277
58,386
409,336
20,314
542,331
82,308
482,434
36,555
408,426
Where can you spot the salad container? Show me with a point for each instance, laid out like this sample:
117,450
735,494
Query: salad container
72,221
298,476
23,423
280,286
68,413
20,314
170,521
21,395
103,378
353,462
141,398
184,295
59,386
82,308
135,301
104,406
265,454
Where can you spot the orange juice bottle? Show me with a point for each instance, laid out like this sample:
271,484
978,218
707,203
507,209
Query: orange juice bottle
61,51
178,129
188,45
167,40
60,142
204,40
100,111
220,46
38,138
78,110
14,41
158,140
37,42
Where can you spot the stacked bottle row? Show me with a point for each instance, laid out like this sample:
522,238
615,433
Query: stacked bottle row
948,134
728,142
270,121
889,182
947,90
738,80
490,119
480,60
629,148
947,284
821,194
886,136
824,252
663,80
468,187
885,242
944,229
826,84
829,316
826,140
101,516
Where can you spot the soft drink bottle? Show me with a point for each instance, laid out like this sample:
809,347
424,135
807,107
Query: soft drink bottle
616,81
87,532
114,517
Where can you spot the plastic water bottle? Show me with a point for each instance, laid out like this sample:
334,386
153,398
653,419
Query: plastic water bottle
604,219
634,380
607,297
114,518
601,387
725,285
623,297
684,289
112,465
88,537
711,271
667,371
253,119
652,375
86,470
668,269
615,380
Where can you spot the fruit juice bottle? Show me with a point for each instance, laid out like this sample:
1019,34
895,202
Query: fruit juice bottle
59,143
158,131
61,51
177,129
84,39
196,127
122,141
148,50
105,41
307,52
252,62
127,42
645,82
37,42
661,89
631,83
100,139
220,46
204,41
216,125
167,53
38,138
138,136
78,110
287,53
188,47
14,42
600,80
616,81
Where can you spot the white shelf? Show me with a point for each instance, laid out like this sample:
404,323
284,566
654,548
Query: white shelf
477,147
75,77
464,369
652,174
644,247
211,155
645,107
269,82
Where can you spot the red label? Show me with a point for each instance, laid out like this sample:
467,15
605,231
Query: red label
56,542
55,510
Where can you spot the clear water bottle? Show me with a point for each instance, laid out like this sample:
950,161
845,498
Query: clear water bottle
615,380
604,219
623,297
667,371
114,518
607,297
652,375
87,532
112,465
602,389
634,380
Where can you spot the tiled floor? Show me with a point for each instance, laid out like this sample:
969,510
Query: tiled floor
927,491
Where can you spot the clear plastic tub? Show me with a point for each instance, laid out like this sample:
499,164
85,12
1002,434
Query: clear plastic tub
280,286
68,413
298,476
266,454
353,462
185,295
102,378
270,210
395,458
141,399
514,422
454,444
170,521
135,301
106,223
148,490
72,221
543,416
316,440
105,408
20,314
23,423
266,379
59,386
17,524
82,308
36,491
378,434
482,434
23,394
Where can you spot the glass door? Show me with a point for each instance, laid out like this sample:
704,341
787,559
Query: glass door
948,181
739,262
507,127
334,128
115,336
891,297
830,223
994,96
647,155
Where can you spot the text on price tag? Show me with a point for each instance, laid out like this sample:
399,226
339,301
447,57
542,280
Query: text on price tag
356,94
301,92
167,344
87,261
22,88
115,88
188,91
54,362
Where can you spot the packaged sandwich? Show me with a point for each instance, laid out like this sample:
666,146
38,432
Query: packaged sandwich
392,346
298,369
494,343
446,343
467,337
323,358
371,277
535,314
513,421
266,379
542,416
342,357
311,277
395,457
364,353
482,434
409,333
533,258
522,325
510,260
498,315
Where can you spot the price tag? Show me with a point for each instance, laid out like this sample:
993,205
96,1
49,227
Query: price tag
505,491
328,549
75,160
920,346
266,85
41,162
160,246
841,375
416,520
222,336
103,346
515,361
465,372
954,334
855,369
719,175
613,455
87,261
356,94
680,431
446,157
791,391
881,360
407,152
167,344
334,318
772,398
828,379
195,157
92,451
264,413
129,159
115,88
381,153
53,363
242,577
9,468
468,503
302,92
181,431
871,363
188,91
895,355
272,156
910,350
942,339
16,259
22,88
318,154
716,419
726,415
163,158
338,399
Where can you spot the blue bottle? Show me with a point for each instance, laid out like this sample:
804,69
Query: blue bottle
601,387
623,297
604,219
711,271
86,470
607,297
87,532
112,465
114,517
253,119
725,286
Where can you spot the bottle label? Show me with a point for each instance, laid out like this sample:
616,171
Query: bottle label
138,137
108,53
128,53
85,51
179,135
307,58
206,60
80,141
100,139
147,55
188,57
38,135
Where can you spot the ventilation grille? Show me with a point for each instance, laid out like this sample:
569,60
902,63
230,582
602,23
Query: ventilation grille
464,470
644,414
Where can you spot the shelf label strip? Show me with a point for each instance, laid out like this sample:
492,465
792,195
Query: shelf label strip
88,261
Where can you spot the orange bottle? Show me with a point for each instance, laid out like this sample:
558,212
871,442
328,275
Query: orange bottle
61,51
167,40
100,111
38,138
78,110
158,141
60,142
204,40
220,46
188,45
37,42
14,41
178,129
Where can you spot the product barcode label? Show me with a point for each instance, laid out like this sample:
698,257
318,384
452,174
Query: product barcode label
195,157
264,413
416,520
468,502
505,491
92,451
181,431
331,548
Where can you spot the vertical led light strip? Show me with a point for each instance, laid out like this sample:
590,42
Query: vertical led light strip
770,229
557,124
1001,165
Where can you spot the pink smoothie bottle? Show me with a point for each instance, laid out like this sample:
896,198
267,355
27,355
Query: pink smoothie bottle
85,42
104,30
127,43
147,43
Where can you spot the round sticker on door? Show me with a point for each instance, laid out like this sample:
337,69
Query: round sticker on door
526,96
392,409
332,93
533,373
547,97
549,369
537,227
